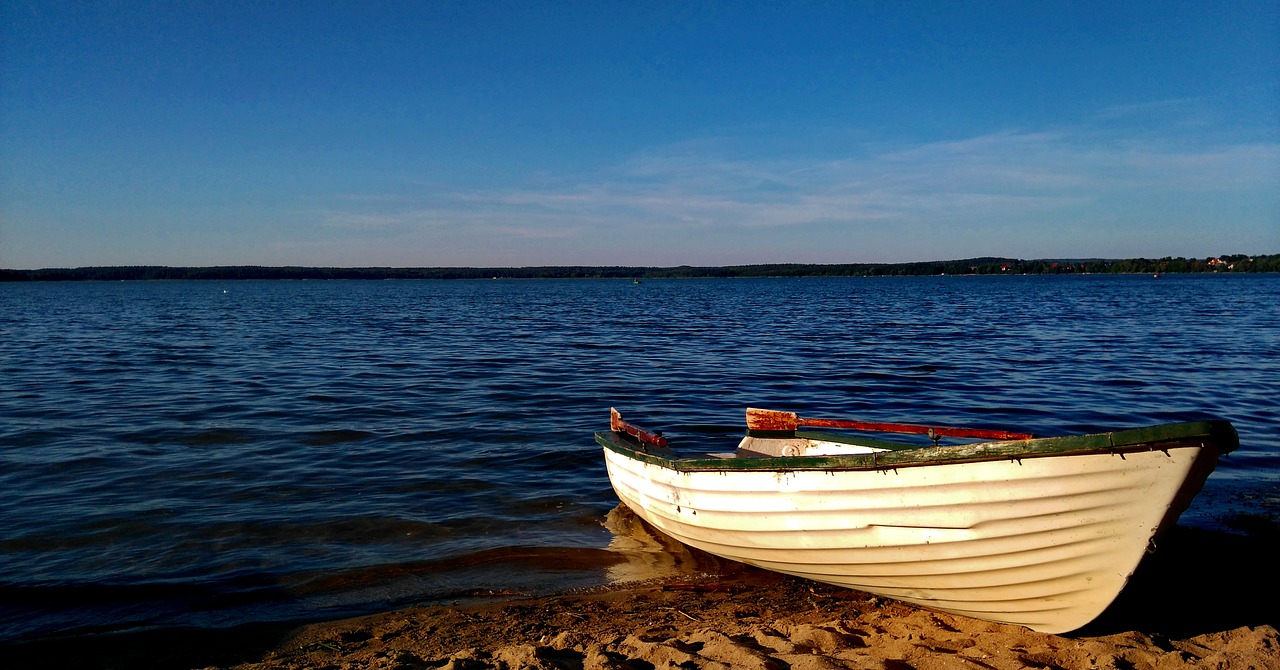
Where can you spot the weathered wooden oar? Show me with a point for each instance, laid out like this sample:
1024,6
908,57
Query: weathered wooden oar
766,419
648,437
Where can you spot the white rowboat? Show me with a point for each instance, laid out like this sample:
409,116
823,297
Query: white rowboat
1042,533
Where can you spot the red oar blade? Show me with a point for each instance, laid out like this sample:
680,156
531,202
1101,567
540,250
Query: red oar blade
768,419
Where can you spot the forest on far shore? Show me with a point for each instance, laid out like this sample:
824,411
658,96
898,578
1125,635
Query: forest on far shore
1235,263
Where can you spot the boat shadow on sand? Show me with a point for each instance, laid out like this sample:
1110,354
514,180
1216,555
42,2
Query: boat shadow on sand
1199,581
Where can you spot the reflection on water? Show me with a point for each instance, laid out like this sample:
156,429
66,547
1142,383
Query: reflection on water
649,553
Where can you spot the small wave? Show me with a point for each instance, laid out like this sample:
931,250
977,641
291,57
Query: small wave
1125,382
206,437
327,437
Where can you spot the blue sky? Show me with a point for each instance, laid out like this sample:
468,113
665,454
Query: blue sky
634,133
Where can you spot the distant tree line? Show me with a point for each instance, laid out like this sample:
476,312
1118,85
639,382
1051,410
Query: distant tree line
1235,263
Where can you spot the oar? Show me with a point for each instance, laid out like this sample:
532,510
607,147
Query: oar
766,419
648,437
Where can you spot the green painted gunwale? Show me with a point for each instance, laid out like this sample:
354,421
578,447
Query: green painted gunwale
1217,434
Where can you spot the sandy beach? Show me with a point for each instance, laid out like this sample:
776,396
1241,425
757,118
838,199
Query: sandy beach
746,619
759,620
1203,600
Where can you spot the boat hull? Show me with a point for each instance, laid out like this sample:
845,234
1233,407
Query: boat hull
1043,541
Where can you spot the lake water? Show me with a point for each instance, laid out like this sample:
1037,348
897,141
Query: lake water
213,453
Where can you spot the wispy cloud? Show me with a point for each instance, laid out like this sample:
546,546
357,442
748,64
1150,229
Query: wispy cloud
1014,192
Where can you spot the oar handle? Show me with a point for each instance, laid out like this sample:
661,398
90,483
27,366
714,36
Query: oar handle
765,419
648,437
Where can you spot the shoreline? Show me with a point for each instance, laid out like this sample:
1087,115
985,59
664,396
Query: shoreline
979,266
1182,609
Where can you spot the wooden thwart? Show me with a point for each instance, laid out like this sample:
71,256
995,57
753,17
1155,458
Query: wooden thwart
765,420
